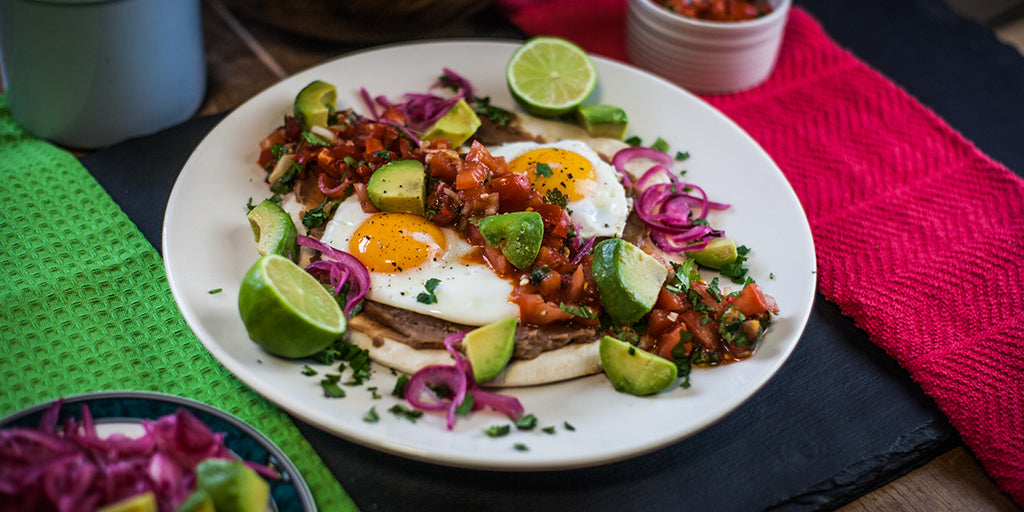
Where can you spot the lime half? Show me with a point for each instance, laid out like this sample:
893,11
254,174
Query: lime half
550,76
287,311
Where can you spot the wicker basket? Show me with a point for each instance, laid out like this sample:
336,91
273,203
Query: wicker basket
362,21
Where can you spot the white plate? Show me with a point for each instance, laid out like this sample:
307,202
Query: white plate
208,245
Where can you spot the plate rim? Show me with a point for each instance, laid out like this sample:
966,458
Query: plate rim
297,480
236,366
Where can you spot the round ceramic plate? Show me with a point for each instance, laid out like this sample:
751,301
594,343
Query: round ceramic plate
123,412
208,245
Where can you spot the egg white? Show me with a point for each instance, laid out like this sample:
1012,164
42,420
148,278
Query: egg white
470,294
603,211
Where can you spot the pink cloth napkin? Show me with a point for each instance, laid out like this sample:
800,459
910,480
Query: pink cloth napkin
919,235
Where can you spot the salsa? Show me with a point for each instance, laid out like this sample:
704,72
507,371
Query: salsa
718,10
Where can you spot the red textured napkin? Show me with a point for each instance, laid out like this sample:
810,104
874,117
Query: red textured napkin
919,235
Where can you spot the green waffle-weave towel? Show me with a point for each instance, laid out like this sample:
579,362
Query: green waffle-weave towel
85,305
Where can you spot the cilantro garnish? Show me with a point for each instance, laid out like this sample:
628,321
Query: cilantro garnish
383,153
371,415
318,216
483,107
680,156
660,145
428,296
466,406
215,291
526,422
578,311
497,430
313,139
399,390
735,270
285,184
538,274
330,385
681,280
548,430
521,447
405,412
568,426
556,197
308,371
544,170
633,141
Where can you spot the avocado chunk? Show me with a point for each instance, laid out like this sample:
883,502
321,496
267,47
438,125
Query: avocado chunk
274,230
145,502
489,348
603,120
399,186
517,234
628,279
635,371
314,103
457,126
232,486
718,253
198,501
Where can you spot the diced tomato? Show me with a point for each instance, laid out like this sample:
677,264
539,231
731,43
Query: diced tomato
550,285
672,301
534,310
576,284
752,301
661,321
513,190
373,145
471,175
497,260
668,341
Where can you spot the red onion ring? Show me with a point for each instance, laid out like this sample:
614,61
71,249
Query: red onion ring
345,268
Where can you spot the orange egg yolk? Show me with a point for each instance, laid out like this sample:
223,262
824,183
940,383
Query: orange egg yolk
570,173
393,242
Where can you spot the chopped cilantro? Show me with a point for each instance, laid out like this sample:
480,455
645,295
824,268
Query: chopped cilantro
372,416
483,107
680,156
701,222
526,422
308,371
285,184
466,406
556,197
330,385
714,291
568,426
538,274
278,150
318,216
373,392
580,311
497,430
314,140
544,170
735,270
633,141
660,145
405,412
521,447
548,430
683,275
428,297
215,291
399,390
383,153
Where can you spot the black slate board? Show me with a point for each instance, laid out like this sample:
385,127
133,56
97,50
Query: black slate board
839,419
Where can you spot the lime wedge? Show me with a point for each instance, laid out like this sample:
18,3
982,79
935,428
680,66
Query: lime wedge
287,311
550,76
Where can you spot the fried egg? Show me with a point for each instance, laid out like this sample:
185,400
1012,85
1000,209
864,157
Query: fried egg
404,251
594,195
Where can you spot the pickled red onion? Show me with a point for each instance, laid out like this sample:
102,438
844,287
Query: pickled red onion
344,269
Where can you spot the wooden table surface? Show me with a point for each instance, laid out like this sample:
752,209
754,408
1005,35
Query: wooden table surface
246,55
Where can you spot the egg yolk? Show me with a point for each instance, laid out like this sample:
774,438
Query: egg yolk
393,242
567,172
